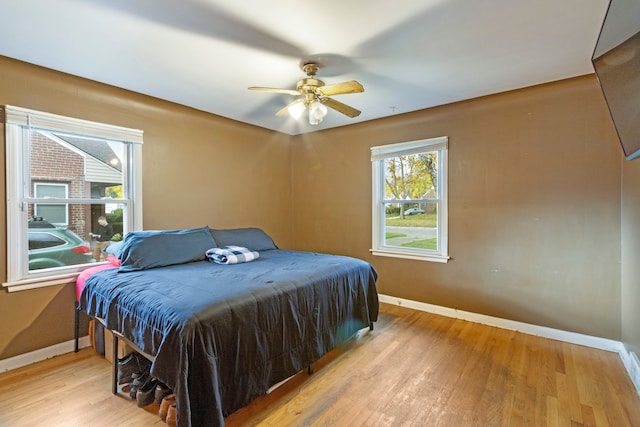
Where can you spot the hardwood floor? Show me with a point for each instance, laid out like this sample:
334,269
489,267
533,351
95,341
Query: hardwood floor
414,369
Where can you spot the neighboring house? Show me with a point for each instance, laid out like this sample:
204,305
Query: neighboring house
68,166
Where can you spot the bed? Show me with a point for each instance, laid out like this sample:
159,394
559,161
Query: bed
221,334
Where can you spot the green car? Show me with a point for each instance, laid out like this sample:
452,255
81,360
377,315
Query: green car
51,246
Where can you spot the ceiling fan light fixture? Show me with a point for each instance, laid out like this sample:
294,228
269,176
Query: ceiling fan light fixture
317,112
296,110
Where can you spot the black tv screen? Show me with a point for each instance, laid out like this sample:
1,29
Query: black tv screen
616,61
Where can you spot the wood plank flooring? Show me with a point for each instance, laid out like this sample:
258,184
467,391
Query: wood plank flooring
414,369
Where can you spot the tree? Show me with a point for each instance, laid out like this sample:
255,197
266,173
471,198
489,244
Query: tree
410,177
115,192
430,161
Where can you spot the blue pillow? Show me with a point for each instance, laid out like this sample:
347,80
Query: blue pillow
115,249
250,238
142,250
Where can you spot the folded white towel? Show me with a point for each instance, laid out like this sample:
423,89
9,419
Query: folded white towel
231,255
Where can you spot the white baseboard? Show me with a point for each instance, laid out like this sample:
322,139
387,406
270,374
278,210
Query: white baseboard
632,365
630,360
42,354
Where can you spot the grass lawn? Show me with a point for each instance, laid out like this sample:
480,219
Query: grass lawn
423,220
393,235
423,244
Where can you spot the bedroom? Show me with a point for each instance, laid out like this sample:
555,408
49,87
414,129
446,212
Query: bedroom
540,197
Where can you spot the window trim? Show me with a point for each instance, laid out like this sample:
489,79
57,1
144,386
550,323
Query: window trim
18,121
378,154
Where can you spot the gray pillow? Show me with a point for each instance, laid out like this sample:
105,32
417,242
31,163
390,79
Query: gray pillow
251,238
142,250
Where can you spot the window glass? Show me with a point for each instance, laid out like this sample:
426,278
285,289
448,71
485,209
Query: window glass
411,225
77,235
65,168
81,166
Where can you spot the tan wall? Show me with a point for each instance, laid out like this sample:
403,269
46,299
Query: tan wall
534,205
630,251
198,169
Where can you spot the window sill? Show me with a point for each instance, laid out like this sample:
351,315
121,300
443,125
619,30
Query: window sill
410,255
39,282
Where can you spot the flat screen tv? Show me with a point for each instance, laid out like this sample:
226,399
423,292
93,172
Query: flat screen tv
616,61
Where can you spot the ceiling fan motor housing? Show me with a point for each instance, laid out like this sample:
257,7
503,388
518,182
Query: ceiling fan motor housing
309,85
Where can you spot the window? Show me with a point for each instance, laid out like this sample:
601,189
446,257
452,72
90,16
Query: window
62,174
57,214
410,200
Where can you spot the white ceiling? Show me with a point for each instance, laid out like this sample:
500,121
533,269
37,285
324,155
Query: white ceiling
408,55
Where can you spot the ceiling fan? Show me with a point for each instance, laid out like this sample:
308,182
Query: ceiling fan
315,96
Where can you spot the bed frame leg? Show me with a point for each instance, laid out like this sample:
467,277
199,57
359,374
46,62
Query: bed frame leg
371,326
76,327
309,369
114,372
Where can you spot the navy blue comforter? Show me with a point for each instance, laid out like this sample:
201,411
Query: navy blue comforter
223,334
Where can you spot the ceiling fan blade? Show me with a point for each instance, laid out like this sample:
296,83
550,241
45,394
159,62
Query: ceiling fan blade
340,107
340,88
271,89
285,110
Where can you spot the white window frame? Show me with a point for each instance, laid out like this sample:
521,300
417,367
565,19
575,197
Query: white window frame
378,155
18,123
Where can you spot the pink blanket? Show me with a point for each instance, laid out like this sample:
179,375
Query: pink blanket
84,275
